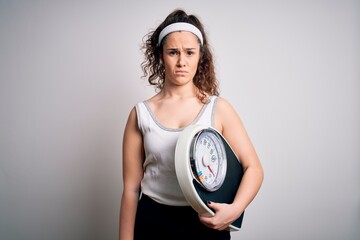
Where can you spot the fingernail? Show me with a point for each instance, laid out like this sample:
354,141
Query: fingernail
208,202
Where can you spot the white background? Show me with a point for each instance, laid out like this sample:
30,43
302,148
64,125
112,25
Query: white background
70,73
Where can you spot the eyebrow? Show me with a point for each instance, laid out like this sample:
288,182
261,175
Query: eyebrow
190,48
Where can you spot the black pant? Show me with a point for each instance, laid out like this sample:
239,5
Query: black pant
160,222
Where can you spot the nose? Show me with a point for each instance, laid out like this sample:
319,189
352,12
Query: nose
181,60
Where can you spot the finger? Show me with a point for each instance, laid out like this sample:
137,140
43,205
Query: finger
212,205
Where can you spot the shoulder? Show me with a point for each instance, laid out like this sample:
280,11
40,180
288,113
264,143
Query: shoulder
225,114
223,106
132,128
132,117
134,112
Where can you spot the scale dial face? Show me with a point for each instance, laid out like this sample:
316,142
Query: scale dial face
208,159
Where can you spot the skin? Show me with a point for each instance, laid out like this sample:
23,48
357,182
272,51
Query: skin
176,106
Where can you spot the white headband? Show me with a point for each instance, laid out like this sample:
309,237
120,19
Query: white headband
180,26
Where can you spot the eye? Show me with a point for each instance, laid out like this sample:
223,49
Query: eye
190,53
173,53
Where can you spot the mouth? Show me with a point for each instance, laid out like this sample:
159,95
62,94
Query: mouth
181,72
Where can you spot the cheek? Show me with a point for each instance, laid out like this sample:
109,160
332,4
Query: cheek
195,65
197,62
168,63
167,66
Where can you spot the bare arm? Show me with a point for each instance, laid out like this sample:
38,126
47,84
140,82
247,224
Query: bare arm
133,155
231,127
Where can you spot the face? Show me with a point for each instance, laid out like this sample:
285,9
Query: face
181,54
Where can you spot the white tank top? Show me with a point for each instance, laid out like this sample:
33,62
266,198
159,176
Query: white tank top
160,181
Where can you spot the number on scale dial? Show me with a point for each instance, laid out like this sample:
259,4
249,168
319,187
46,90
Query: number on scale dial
209,160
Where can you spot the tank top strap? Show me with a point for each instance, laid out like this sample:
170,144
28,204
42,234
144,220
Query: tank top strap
144,118
208,115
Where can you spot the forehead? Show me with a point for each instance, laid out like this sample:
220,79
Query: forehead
185,38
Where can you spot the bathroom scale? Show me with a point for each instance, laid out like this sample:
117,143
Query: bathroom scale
207,169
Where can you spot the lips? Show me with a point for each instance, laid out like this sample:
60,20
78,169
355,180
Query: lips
181,72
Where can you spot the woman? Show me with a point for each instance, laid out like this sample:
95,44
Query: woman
178,62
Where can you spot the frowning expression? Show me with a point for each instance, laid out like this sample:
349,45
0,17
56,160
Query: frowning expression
181,54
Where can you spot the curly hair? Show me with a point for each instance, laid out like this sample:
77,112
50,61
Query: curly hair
204,79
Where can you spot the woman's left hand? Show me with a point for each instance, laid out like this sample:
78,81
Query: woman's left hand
224,216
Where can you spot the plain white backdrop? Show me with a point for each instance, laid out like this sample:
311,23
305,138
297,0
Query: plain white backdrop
70,73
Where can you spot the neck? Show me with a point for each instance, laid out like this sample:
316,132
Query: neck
179,92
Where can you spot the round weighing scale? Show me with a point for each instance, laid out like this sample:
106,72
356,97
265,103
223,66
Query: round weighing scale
207,169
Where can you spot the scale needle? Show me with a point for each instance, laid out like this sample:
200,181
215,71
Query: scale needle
211,170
